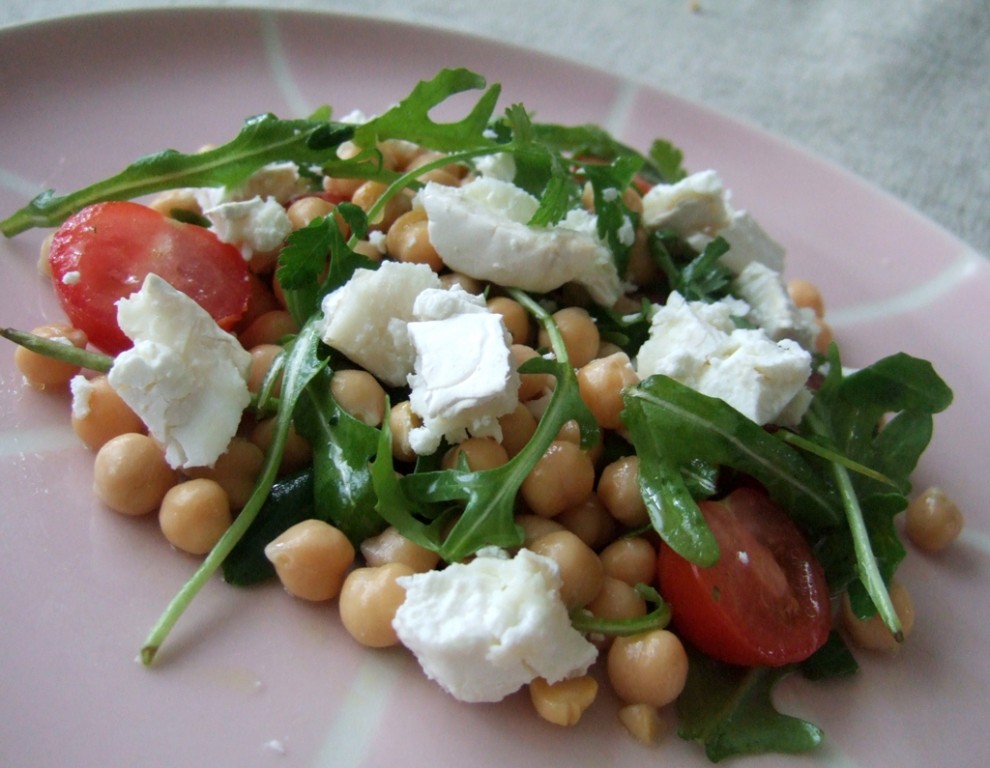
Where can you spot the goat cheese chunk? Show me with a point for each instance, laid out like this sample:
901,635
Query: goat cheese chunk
771,306
463,379
185,376
484,629
697,203
367,318
256,225
699,345
482,230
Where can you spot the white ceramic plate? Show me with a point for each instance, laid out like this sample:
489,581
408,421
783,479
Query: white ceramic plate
253,678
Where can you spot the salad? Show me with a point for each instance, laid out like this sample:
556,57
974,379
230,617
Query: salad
493,384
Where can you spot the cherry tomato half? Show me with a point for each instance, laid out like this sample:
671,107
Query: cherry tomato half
104,252
765,602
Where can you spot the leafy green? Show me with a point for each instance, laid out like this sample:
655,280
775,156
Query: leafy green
830,661
289,502
343,448
848,416
410,119
729,710
263,139
303,262
302,364
59,350
616,223
671,425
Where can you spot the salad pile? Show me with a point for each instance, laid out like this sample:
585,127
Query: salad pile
518,395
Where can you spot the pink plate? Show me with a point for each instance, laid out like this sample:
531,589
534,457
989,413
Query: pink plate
253,678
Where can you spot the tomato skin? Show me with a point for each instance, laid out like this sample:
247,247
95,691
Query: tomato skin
103,253
765,602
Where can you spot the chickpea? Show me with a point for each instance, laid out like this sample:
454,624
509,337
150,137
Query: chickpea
297,452
99,413
390,546
531,385
872,634
44,266
617,600
468,283
580,334
641,270
402,421
263,357
369,600
642,721
824,338
618,488
602,382
648,668
360,395
580,569
366,195
631,559
563,477
589,521
933,520
535,526
805,294
130,474
236,470
453,170
269,328
515,317
409,240
398,154
563,702
570,431
311,559
480,452
517,429
42,372
194,515
304,210
261,299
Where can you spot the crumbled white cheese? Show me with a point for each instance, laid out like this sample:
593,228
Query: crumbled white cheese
279,181
501,165
699,345
695,204
464,378
72,277
481,229
257,225
484,629
771,305
185,376
748,242
367,317
81,389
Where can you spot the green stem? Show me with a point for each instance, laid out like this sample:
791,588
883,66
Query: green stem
59,350
833,456
866,563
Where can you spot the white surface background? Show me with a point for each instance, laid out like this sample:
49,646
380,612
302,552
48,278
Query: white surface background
896,92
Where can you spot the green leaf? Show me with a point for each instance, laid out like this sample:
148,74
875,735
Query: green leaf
705,278
832,660
613,215
263,139
671,425
729,710
669,161
343,449
290,502
410,118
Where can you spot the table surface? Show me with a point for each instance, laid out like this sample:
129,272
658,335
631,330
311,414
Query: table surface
896,93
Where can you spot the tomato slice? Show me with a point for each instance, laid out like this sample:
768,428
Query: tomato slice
104,252
765,602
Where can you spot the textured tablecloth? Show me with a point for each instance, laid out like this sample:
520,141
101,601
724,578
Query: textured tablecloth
896,92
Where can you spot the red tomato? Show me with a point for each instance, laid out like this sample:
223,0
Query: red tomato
765,602
104,252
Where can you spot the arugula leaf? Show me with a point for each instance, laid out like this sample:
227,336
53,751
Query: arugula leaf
482,501
289,502
343,448
671,425
302,364
832,660
263,139
615,221
729,710
410,118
